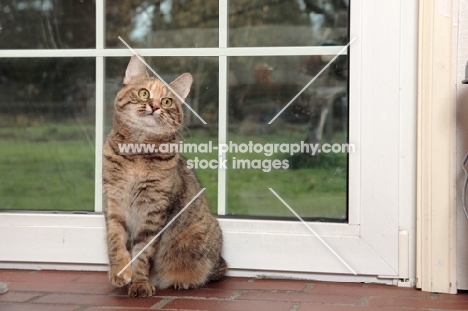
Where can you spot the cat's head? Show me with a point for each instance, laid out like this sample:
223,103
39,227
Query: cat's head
147,105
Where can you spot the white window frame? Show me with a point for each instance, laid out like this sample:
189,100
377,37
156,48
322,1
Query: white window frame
438,170
379,199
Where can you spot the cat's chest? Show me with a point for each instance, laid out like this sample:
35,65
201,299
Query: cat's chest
145,194
147,187
142,187
144,176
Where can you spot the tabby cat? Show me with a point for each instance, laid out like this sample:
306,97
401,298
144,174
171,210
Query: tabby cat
143,192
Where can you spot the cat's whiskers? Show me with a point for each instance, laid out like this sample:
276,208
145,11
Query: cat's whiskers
166,127
162,123
148,108
183,127
182,137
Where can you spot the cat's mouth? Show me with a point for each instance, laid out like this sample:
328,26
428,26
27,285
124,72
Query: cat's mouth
152,118
152,113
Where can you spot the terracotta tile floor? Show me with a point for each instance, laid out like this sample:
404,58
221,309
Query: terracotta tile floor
91,291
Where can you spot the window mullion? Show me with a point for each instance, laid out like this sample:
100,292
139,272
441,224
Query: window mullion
222,133
100,24
100,80
222,111
100,76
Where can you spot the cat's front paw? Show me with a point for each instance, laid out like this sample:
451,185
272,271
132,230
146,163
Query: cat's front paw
141,289
124,278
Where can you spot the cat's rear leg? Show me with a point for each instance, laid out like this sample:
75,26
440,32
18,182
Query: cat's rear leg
189,259
219,270
183,274
216,274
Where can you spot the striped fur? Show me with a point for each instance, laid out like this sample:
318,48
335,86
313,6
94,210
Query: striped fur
145,191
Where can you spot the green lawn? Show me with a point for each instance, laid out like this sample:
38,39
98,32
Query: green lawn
53,175
52,168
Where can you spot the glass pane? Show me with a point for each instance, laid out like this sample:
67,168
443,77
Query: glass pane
162,24
47,108
315,186
203,99
287,23
47,24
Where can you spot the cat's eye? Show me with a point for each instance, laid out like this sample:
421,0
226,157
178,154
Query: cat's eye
166,102
144,94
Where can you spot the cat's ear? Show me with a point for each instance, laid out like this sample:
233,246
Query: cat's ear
135,68
182,84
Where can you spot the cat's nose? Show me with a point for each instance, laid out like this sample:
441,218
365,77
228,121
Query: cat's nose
155,106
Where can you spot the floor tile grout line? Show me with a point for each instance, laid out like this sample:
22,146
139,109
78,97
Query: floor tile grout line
236,294
307,288
296,306
114,291
69,293
342,304
32,299
162,303
363,301
85,308
16,303
328,304
194,298
78,278
74,305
